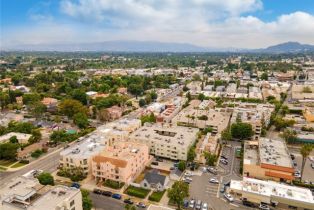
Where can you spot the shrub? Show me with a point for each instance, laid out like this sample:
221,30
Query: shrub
24,161
113,184
137,191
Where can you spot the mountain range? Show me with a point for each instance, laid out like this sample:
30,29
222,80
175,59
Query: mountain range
153,46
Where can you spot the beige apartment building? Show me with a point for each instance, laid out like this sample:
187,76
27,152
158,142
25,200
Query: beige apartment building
254,114
122,162
165,140
217,119
267,159
28,194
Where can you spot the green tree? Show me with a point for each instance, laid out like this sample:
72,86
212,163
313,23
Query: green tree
201,97
13,140
148,118
8,151
191,154
226,135
182,165
37,109
264,76
31,98
178,192
305,152
70,107
80,95
86,201
211,159
241,130
142,102
81,120
289,135
45,179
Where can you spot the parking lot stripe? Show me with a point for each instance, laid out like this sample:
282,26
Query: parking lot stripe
234,205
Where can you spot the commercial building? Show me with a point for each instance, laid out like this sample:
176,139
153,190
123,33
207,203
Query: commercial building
273,193
302,92
121,161
267,159
27,194
167,141
254,114
22,138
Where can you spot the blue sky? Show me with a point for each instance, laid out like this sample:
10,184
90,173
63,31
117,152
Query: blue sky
211,23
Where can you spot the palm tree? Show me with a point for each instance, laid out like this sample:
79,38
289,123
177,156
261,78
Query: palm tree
305,152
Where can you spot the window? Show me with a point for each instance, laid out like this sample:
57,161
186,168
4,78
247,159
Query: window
72,203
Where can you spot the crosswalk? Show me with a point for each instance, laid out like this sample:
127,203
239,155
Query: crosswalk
211,189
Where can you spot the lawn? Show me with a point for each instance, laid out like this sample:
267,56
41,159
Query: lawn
18,164
137,191
6,163
2,169
156,196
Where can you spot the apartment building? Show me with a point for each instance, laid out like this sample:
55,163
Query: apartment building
122,162
128,125
273,193
217,119
166,141
28,194
80,154
267,159
254,114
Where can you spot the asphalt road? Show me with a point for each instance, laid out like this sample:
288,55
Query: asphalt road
48,163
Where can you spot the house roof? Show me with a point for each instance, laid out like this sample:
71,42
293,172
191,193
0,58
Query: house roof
155,178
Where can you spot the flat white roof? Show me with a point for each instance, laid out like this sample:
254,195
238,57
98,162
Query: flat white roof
273,189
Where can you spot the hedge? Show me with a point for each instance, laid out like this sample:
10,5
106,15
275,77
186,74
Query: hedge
113,184
156,196
137,191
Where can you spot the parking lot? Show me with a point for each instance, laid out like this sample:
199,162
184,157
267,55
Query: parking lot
308,174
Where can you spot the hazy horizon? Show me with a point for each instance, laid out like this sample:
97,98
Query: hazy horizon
247,24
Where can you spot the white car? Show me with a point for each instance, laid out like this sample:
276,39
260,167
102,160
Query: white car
311,158
229,197
192,203
205,206
297,174
264,207
214,180
188,173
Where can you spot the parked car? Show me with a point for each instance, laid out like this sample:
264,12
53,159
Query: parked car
312,165
128,201
192,203
227,184
223,157
159,159
292,156
264,207
212,170
248,203
97,191
186,203
76,185
222,188
214,180
223,161
228,197
116,196
295,164
297,174
107,193
188,173
311,158
198,205
155,163
205,206
141,205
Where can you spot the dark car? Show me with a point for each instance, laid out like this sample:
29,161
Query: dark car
116,196
76,185
155,163
224,157
97,191
186,203
107,193
292,156
128,201
248,203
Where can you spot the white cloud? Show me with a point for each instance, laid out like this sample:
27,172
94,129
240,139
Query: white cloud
212,23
